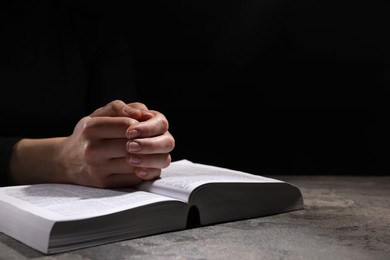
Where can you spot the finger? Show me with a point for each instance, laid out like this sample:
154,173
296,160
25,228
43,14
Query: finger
147,174
102,150
111,166
138,105
124,179
158,161
114,108
106,127
156,125
119,108
139,114
145,113
151,145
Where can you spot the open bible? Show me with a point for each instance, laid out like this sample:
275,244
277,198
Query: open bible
54,218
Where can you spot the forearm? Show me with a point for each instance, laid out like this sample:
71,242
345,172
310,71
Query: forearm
37,161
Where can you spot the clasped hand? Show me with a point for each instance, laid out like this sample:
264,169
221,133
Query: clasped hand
118,145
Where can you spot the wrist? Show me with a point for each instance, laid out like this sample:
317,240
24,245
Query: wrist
36,161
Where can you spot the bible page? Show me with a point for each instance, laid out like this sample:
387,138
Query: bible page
182,177
63,202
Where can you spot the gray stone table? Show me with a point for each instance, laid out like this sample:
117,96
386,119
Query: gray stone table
345,217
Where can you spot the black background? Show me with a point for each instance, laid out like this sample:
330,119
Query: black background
268,86
264,86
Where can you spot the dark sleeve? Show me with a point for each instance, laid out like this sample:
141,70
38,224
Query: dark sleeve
6,145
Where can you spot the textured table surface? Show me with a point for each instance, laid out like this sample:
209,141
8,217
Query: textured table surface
345,217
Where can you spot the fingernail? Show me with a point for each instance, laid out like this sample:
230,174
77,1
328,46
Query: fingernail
142,173
132,134
134,159
133,146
